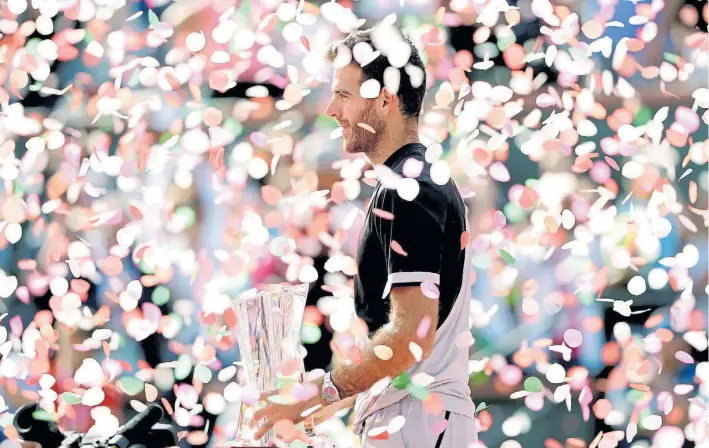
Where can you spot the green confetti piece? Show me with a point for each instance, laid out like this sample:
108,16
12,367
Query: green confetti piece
418,392
277,399
32,46
323,122
481,261
18,188
401,381
298,443
35,87
533,384
160,296
203,373
183,368
164,137
505,42
481,406
134,79
88,38
509,259
513,212
310,333
71,398
478,378
531,183
187,214
43,416
643,115
131,385
144,268
634,396
153,18
671,57
234,126
585,297
410,21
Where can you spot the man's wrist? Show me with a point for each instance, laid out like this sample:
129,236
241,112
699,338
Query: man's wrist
329,391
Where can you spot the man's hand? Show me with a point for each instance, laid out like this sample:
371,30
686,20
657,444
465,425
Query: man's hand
324,414
291,414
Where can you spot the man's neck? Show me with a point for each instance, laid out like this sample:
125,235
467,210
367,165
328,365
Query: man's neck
392,143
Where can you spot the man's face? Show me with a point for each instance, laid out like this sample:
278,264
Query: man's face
349,109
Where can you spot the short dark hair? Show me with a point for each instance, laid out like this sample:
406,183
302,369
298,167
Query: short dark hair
410,97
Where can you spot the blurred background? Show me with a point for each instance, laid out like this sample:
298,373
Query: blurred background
161,158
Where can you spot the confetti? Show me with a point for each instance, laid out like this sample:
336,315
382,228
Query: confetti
383,352
157,190
533,385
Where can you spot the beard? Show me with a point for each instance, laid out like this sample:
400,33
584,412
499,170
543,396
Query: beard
359,140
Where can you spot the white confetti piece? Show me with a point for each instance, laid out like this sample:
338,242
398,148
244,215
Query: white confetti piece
464,340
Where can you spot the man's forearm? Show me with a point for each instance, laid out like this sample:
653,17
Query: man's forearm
352,379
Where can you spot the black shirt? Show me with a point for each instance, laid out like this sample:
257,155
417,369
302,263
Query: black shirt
420,243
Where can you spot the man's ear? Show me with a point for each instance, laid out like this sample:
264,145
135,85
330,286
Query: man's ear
390,102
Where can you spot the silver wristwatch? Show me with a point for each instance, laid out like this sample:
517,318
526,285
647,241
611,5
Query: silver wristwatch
329,390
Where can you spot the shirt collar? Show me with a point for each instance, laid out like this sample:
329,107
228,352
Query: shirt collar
402,152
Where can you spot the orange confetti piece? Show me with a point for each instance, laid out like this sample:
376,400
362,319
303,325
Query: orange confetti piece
151,392
438,18
464,237
135,211
271,194
195,92
111,266
433,404
693,191
167,406
654,321
306,43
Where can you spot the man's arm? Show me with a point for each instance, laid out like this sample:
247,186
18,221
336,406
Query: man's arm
409,307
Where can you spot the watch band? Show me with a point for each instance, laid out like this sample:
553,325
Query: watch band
329,390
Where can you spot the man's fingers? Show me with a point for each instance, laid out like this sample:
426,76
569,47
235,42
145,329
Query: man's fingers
261,414
263,429
264,395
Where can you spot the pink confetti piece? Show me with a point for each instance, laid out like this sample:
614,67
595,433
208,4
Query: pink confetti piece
430,290
686,222
612,163
383,214
16,326
573,338
398,249
684,357
499,172
423,327
439,426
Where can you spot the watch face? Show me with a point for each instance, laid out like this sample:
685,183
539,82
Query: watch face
329,393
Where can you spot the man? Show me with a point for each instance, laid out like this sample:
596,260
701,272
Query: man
413,286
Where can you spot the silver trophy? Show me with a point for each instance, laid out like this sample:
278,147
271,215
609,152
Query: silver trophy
268,333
